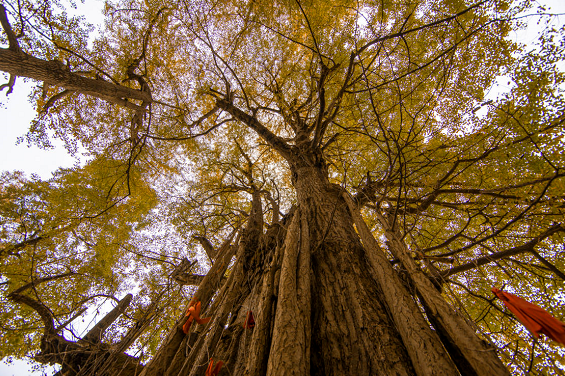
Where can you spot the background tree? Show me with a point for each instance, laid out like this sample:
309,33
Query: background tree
342,151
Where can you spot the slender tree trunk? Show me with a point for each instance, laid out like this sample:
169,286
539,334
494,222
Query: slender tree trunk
177,339
423,346
94,335
474,356
290,348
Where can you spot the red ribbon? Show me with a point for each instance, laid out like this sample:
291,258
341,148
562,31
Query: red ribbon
537,320
214,371
249,321
193,314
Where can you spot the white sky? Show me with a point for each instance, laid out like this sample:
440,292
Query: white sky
16,114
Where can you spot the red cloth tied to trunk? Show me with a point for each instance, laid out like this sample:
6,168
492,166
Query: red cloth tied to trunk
537,320
193,314
214,371
249,321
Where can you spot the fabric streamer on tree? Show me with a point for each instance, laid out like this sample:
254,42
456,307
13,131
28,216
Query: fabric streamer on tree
536,319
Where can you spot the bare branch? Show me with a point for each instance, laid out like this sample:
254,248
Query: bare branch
402,33
549,265
71,319
527,247
275,141
39,281
9,85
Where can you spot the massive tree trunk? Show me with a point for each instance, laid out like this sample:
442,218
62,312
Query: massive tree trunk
324,302
325,299
351,330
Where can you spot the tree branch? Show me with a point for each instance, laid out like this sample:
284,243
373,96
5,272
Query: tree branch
402,33
12,39
51,101
11,250
57,74
42,310
9,85
275,141
40,281
208,247
528,247
549,265
94,335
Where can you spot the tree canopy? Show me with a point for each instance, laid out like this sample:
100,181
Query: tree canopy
200,118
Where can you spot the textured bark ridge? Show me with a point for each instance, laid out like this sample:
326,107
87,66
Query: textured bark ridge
290,348
351,330
473,356
421,342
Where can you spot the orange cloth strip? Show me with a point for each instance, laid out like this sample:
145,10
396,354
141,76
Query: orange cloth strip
537,320
216,370
193,314
249,321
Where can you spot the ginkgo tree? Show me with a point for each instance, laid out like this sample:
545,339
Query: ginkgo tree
338,165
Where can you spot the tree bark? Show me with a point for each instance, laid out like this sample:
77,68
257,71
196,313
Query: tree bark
424,347
261,339
56,73
477,354
352,332
290,348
